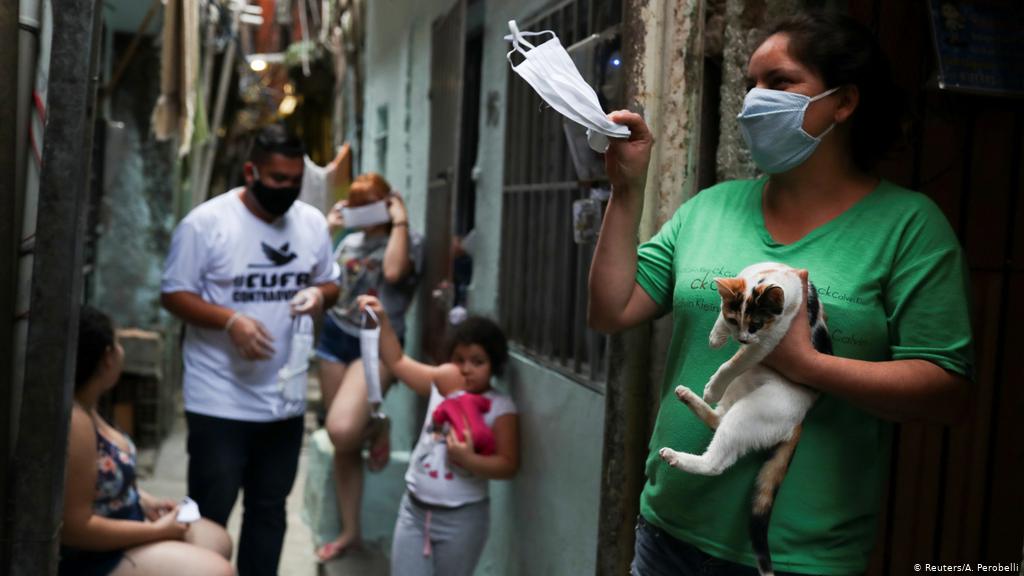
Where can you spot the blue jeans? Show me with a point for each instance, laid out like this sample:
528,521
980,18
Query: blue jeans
659,554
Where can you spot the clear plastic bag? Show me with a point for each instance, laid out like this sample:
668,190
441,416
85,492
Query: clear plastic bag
292,376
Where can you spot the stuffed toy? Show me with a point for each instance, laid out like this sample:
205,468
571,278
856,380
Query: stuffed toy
465,407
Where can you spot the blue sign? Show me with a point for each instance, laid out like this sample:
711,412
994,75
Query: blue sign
980,45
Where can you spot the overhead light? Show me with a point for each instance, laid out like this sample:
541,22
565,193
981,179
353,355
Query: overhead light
259,62
288,105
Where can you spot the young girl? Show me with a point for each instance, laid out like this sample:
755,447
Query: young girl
110,525
444,516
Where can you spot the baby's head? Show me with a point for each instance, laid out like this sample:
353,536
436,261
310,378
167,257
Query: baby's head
478,347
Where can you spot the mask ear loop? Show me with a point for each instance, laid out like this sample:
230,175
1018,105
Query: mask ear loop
368,312
518,40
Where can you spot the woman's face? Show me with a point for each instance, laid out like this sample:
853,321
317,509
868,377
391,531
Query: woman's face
773,68
474,365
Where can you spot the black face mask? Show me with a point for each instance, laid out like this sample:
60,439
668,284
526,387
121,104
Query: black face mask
276,201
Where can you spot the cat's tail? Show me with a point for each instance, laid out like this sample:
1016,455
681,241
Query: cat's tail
768,481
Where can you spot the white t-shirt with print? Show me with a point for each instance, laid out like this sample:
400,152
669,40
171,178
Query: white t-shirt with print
231,258
431,477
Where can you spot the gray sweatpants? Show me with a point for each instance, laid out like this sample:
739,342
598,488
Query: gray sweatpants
441,542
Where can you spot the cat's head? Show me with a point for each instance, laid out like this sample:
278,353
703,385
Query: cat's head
749,310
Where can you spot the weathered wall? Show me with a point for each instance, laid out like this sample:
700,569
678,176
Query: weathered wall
136,215
745,22
550,510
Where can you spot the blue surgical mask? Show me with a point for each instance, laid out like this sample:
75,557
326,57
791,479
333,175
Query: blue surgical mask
772,125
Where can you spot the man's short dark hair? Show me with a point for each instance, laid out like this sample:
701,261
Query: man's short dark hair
275,139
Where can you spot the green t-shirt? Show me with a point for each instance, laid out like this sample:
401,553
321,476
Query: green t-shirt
892,277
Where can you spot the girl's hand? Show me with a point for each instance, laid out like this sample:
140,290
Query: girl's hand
154,507
795,353
167,526
460,452
373,303
626,161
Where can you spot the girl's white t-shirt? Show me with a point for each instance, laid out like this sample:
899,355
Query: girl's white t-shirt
431,477
231,258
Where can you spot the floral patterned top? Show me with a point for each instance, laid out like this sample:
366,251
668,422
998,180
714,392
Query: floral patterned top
116,494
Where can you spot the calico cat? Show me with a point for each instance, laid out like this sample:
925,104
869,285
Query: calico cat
757,408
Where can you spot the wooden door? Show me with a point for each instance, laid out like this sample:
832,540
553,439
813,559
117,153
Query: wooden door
957,494
447,56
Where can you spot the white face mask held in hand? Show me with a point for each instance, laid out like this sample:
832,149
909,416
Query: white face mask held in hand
369,350
188,511
366,216
291,378
552,74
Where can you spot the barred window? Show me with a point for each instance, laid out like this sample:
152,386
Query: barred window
548,167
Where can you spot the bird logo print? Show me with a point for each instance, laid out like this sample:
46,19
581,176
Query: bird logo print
278,256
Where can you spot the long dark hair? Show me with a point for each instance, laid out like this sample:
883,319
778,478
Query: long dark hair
95,337
843,52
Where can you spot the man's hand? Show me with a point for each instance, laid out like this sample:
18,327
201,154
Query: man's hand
309,300
251,338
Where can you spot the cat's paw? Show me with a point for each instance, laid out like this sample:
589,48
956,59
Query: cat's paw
685,395
670,456
712,394
716,340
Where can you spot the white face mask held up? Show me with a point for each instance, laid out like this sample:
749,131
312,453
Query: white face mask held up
550,71
369,349
366,216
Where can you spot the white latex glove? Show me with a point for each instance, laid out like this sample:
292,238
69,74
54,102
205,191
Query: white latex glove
307,301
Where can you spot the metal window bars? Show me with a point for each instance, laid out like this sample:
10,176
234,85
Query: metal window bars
543,279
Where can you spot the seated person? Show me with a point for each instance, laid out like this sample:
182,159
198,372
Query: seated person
110,525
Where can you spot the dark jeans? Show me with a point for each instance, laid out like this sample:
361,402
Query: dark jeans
261,458
659,554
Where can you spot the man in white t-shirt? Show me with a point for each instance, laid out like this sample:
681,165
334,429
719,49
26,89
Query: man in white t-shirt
242,268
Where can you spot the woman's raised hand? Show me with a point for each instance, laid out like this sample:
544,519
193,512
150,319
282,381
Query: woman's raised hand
626,160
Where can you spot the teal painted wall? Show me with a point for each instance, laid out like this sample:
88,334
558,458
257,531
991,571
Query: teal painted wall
544,521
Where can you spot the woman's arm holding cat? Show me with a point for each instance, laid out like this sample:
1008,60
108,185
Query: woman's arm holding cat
898,390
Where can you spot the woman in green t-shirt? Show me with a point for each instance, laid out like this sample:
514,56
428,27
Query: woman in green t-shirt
821,110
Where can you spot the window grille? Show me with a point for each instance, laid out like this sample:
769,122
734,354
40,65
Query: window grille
543,283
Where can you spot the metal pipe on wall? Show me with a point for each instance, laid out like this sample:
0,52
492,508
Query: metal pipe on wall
37,468
10,51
